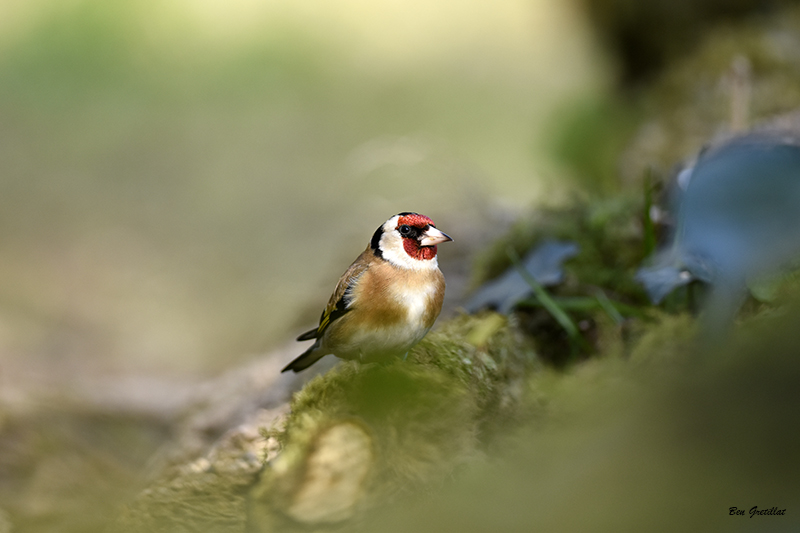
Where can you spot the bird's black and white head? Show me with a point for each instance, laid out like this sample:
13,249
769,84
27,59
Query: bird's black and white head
408,240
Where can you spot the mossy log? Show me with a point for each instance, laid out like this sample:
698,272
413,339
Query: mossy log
350,439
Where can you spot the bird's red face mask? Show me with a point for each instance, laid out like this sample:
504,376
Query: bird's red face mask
420,236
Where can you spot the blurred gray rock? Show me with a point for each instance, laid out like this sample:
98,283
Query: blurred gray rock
738,217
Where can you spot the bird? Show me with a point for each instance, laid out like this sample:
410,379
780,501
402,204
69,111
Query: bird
386,301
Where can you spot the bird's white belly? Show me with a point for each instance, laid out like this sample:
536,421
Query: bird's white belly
415,300
399,338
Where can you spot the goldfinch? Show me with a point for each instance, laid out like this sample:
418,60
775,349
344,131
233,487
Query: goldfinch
386,301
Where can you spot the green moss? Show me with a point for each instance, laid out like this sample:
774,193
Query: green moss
426,415
609,233
444,369
672,336
684,428
460,390
598,281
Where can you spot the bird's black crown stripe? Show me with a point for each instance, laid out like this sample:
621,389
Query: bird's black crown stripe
376,241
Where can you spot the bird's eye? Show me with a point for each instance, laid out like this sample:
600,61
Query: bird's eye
405,229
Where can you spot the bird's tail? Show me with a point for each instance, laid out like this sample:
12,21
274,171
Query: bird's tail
306,359
308,335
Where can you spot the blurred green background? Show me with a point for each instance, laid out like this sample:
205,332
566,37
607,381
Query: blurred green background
182,182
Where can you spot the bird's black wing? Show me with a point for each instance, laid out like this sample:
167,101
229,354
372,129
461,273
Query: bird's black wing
339,303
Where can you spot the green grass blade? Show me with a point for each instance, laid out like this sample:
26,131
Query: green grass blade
547,301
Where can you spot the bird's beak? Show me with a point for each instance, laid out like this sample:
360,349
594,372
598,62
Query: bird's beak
433,236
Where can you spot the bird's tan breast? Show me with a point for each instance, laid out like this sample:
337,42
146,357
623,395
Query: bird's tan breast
391,309
389,295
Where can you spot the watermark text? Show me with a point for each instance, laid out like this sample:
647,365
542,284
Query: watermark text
735,511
